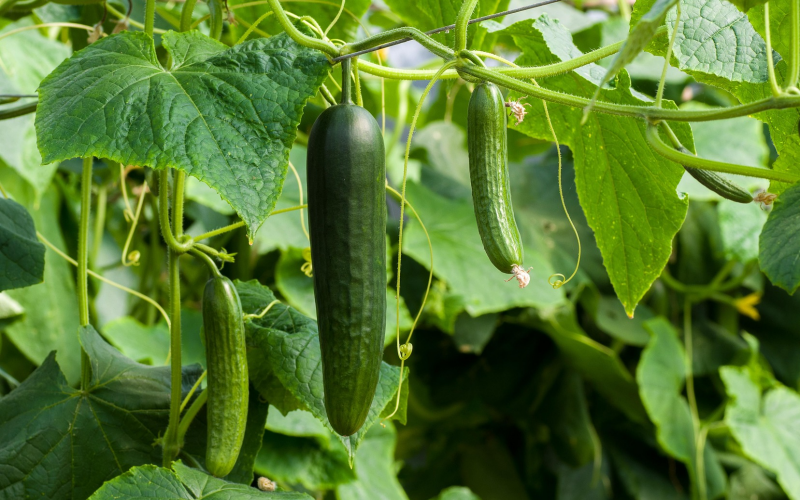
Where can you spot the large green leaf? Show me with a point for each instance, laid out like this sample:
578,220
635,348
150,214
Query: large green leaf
766,423
625,189
780,26
288,342
21,253
375,469
227,116
25,59
459,258
779,244
62,443
149,481
715,40
51,319
740,227
661,375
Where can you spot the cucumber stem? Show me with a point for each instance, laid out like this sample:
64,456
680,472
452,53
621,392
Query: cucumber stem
83,261
462,21
347,97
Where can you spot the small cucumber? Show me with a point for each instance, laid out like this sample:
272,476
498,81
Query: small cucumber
718,184
226,357
347,222
488,173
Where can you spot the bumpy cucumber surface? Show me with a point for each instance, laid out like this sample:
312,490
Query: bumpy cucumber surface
347,221
226,357
718,184
488,173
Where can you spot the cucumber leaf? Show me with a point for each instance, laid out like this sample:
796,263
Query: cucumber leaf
779,245
61,443
21,253
227,116
764,422
180,483
375,469
627,191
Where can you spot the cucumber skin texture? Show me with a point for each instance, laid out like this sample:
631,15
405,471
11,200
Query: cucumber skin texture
488,173
226,358
347,221
720,185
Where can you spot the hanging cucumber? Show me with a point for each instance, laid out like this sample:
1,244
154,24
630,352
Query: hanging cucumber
488,173
718,184
226,357
347,223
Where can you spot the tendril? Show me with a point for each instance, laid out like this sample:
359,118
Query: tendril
132,259
404,353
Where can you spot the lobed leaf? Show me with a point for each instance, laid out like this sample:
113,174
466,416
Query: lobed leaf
62,443
227,116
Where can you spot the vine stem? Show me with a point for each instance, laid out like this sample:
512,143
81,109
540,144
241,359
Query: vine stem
171,442
691,161
237,225
773,81
186,15
149,16
83,262
99,223
660,92
794,60
462,20
163,212
296,35
648,112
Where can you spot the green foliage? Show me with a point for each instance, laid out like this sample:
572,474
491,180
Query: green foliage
21,253
778,245
181,483
53,430
202,132
510,394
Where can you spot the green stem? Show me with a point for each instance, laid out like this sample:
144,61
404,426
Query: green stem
186,14
688,160
429,43
326,94
149,16
347,97
163,213
624,10
25,109
357,80
466,54
296,35
190,414
237,225
773,81
207,261
794,58
83,261
171,442
647,112
462,22
99,224
660,92
216,20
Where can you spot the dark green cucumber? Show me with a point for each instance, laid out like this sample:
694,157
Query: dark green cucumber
488,173
718,184
226,358
347,222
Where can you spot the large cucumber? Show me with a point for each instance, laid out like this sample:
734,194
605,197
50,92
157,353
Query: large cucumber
347,221
488,173
226,357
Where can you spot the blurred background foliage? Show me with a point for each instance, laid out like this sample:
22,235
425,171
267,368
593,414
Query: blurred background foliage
514,394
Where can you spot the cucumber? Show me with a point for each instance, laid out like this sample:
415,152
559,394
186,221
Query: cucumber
226,358
718,184
346,175
488,173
